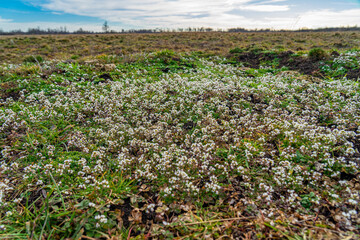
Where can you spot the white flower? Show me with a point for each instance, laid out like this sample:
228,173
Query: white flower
352,201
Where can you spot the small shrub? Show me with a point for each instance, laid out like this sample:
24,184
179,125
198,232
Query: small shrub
255,49
317,54
236,50
74,57
167,56
33,59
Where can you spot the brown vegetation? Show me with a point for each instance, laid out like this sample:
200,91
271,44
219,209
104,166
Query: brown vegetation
15,48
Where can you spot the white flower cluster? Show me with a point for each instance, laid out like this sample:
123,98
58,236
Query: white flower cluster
101,220
192,132
348,57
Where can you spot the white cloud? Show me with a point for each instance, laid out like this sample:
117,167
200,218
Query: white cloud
327,18
266,8
163,13
2,20
126,14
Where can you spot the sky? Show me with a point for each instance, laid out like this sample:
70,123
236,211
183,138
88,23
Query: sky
140,14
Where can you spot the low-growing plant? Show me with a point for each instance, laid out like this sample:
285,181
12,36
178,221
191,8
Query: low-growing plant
317,54
33,59
308,200
236,50
75,57
204,147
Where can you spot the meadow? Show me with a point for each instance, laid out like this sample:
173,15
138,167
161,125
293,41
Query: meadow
180,135
14,48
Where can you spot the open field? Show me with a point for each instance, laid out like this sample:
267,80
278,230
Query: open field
14,48
193,136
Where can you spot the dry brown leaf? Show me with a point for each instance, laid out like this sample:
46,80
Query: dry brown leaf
136,216
118,215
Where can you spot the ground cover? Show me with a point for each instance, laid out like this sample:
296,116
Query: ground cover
13,49
169,145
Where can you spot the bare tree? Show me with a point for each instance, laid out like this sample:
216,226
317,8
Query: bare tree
105,27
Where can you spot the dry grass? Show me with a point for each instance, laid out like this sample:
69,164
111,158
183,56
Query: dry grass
15,48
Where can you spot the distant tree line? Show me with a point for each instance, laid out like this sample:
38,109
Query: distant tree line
34,31
327,29
106,30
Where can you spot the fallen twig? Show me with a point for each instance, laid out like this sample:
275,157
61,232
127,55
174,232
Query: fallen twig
86,237
309,226
219,220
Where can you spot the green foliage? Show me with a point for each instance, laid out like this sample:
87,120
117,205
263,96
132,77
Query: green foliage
236,50
308,199
195,138
33,59
342,64
317,54
74,57
166,56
